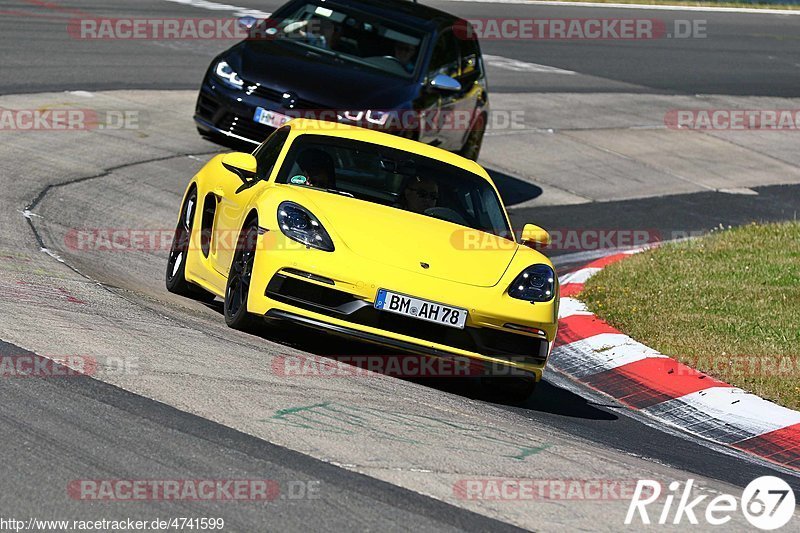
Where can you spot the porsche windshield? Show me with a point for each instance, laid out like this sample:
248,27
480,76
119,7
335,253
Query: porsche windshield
395,178
354,36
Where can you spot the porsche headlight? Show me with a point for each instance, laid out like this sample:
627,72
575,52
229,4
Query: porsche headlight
228,76
535,284
297,223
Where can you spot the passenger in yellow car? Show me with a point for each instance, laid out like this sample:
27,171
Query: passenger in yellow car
318,167
420,194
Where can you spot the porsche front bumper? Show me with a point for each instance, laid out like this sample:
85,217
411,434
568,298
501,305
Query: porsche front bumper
319,302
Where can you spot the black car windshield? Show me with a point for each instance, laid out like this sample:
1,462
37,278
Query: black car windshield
395,178
352,35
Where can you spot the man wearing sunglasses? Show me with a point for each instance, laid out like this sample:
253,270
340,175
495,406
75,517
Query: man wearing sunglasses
420,194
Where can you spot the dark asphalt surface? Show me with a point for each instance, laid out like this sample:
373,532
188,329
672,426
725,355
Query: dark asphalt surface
668,217
740,55
60,429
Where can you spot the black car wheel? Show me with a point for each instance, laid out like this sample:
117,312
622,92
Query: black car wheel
472,146
176,262
236,292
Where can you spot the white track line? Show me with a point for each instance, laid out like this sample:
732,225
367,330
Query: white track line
571,307
214,6
729,406
582,275
600,353
709,9
516,65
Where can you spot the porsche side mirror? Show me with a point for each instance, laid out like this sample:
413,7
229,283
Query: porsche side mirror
445,83
534,236
243,165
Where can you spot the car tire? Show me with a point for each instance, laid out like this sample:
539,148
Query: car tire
472,146
238,286
175,276
510,390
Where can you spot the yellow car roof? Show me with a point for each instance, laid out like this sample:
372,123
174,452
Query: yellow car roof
301,126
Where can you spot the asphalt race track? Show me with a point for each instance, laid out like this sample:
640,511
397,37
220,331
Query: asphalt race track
752,55
177,395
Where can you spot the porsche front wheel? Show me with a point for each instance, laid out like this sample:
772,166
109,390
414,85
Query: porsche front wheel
176,263
238,287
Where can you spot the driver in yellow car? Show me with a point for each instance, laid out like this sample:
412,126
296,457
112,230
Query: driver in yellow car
420,194
318,167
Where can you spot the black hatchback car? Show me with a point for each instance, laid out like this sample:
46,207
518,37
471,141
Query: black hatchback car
392,65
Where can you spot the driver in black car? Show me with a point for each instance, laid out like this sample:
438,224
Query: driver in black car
318,167
405,53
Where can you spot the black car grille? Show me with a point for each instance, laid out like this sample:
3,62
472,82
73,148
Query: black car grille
265,92
335,303
206,107
274,95
502,342
486,341
307,295
244,127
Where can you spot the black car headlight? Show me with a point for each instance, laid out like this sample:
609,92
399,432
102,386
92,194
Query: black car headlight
535,284
227,75
297,223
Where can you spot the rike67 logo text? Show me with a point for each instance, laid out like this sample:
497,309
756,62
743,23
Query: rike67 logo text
767,503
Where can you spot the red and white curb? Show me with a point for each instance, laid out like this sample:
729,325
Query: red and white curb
597,355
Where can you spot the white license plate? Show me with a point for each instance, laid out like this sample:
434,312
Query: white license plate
273,119
422,309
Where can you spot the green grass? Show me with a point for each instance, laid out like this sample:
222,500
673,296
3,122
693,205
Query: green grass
727,304
731,3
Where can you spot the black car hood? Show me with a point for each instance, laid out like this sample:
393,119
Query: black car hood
320,79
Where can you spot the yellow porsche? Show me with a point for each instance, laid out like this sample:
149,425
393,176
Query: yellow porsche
372,236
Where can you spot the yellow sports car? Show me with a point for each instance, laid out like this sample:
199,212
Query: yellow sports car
372,236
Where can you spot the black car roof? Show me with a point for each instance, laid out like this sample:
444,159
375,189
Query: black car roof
403,11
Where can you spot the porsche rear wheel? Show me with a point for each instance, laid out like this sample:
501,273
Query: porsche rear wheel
176,263
238,287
